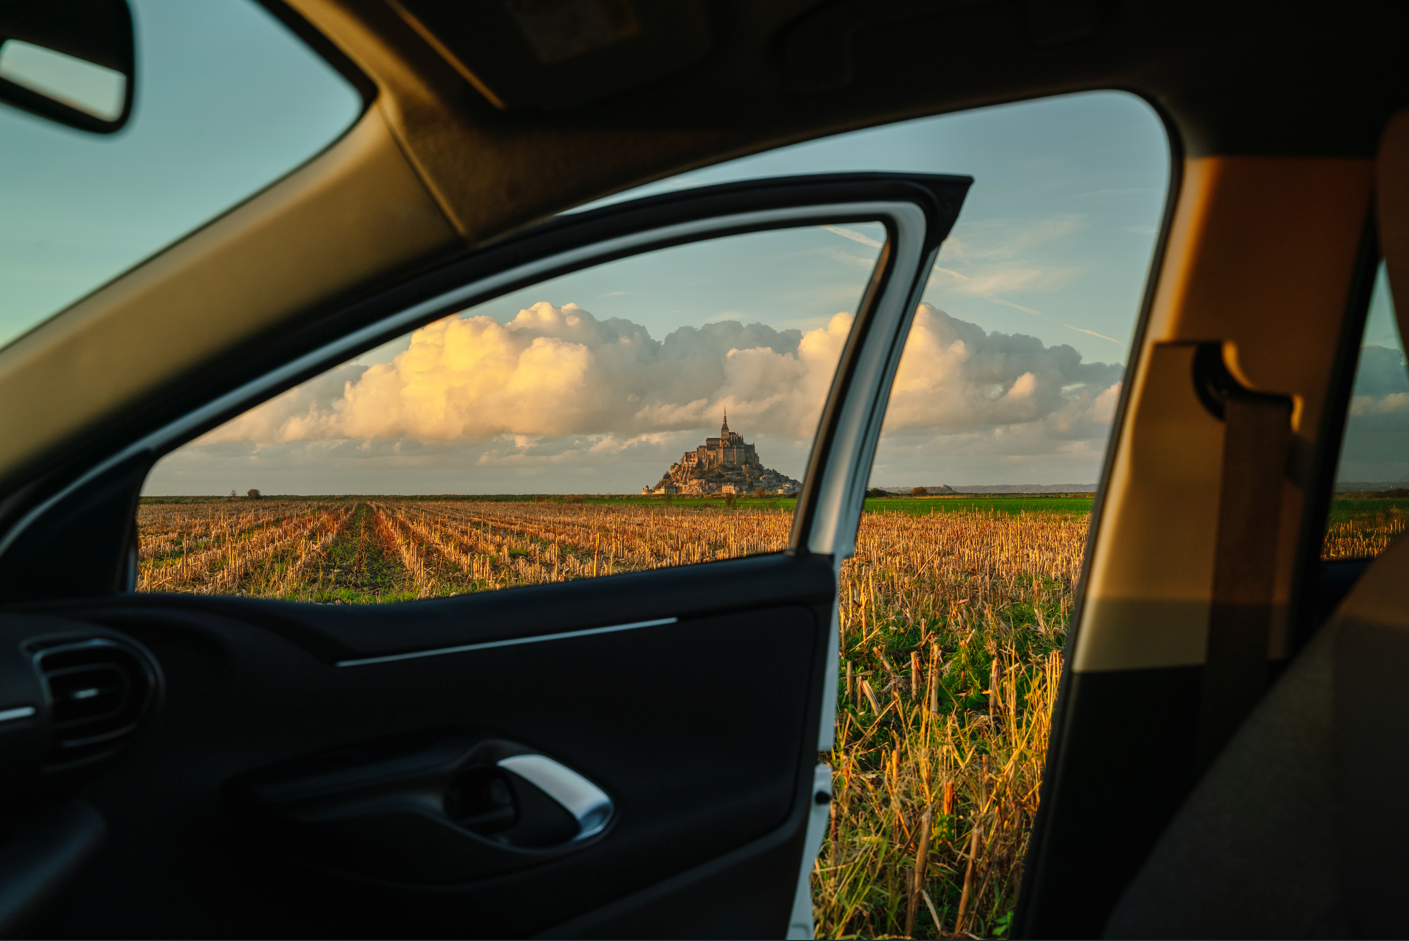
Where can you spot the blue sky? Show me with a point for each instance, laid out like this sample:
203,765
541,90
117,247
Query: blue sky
1011,373
1376,444
596,381
227,101
1068,193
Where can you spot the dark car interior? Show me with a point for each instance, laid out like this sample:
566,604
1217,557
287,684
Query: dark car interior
1225,757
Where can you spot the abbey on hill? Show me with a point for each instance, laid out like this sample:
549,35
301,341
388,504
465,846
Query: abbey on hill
726,464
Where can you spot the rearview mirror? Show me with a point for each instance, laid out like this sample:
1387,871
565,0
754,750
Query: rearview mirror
71,61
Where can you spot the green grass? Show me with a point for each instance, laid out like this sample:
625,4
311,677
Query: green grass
1012,505
358,569
718,502
1349,508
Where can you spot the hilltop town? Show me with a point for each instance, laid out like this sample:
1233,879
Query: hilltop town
726,464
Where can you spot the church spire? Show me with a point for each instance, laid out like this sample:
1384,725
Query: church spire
725,429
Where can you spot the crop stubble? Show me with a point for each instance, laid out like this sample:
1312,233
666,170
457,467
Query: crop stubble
935,609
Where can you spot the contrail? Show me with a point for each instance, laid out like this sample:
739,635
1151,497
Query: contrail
1039,314
851,234
1029,310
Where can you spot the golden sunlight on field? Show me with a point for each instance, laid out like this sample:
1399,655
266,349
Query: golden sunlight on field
951,626
391,550
1362,536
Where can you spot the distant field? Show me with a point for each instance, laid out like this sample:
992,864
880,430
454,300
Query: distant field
997,503
914,506
1357,507
785,503
352,550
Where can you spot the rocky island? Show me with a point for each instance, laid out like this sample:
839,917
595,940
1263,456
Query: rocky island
726,464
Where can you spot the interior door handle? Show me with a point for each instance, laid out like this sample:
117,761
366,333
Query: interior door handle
442,806
588,803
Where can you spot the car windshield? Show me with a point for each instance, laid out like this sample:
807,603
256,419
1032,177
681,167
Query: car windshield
227,101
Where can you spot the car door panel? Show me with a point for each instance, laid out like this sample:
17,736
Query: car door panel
693,777
309,765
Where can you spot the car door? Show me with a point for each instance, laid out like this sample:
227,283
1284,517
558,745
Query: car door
627,755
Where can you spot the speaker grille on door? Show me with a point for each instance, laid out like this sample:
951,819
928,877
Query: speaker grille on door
99,690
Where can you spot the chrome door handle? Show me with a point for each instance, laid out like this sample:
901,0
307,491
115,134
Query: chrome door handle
587,803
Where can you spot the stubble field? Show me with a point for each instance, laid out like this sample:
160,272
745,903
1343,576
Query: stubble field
952,623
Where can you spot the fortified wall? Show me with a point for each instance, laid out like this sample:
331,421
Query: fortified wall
727,464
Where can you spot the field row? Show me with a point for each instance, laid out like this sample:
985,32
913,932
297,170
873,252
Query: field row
386,550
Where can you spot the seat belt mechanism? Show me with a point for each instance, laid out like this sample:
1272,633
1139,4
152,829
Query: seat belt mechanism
1256,443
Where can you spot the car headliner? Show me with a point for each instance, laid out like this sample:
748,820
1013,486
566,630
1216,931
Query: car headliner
1234,78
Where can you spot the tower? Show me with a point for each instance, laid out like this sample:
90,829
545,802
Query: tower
725,429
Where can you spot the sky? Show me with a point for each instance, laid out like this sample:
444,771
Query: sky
226,102
597,381
1375,448
591,382
1056,235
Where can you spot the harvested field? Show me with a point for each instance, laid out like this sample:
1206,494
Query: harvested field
391,550
269,549
951,627
1362,528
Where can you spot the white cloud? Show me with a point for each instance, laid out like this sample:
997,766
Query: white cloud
954,376
1387,404
847,258
556,391
1381,382
1004,239
555,372
994,258
991,281
558,371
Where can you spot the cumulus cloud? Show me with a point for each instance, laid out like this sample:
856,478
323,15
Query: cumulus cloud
1381,382
1379,404
555,371
954,376
556,390
559,399
1376,444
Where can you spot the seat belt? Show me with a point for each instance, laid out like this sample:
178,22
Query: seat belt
1256,443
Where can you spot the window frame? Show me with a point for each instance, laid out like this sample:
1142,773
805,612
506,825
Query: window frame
918,211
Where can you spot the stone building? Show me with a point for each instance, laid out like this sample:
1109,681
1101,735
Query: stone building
726,464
